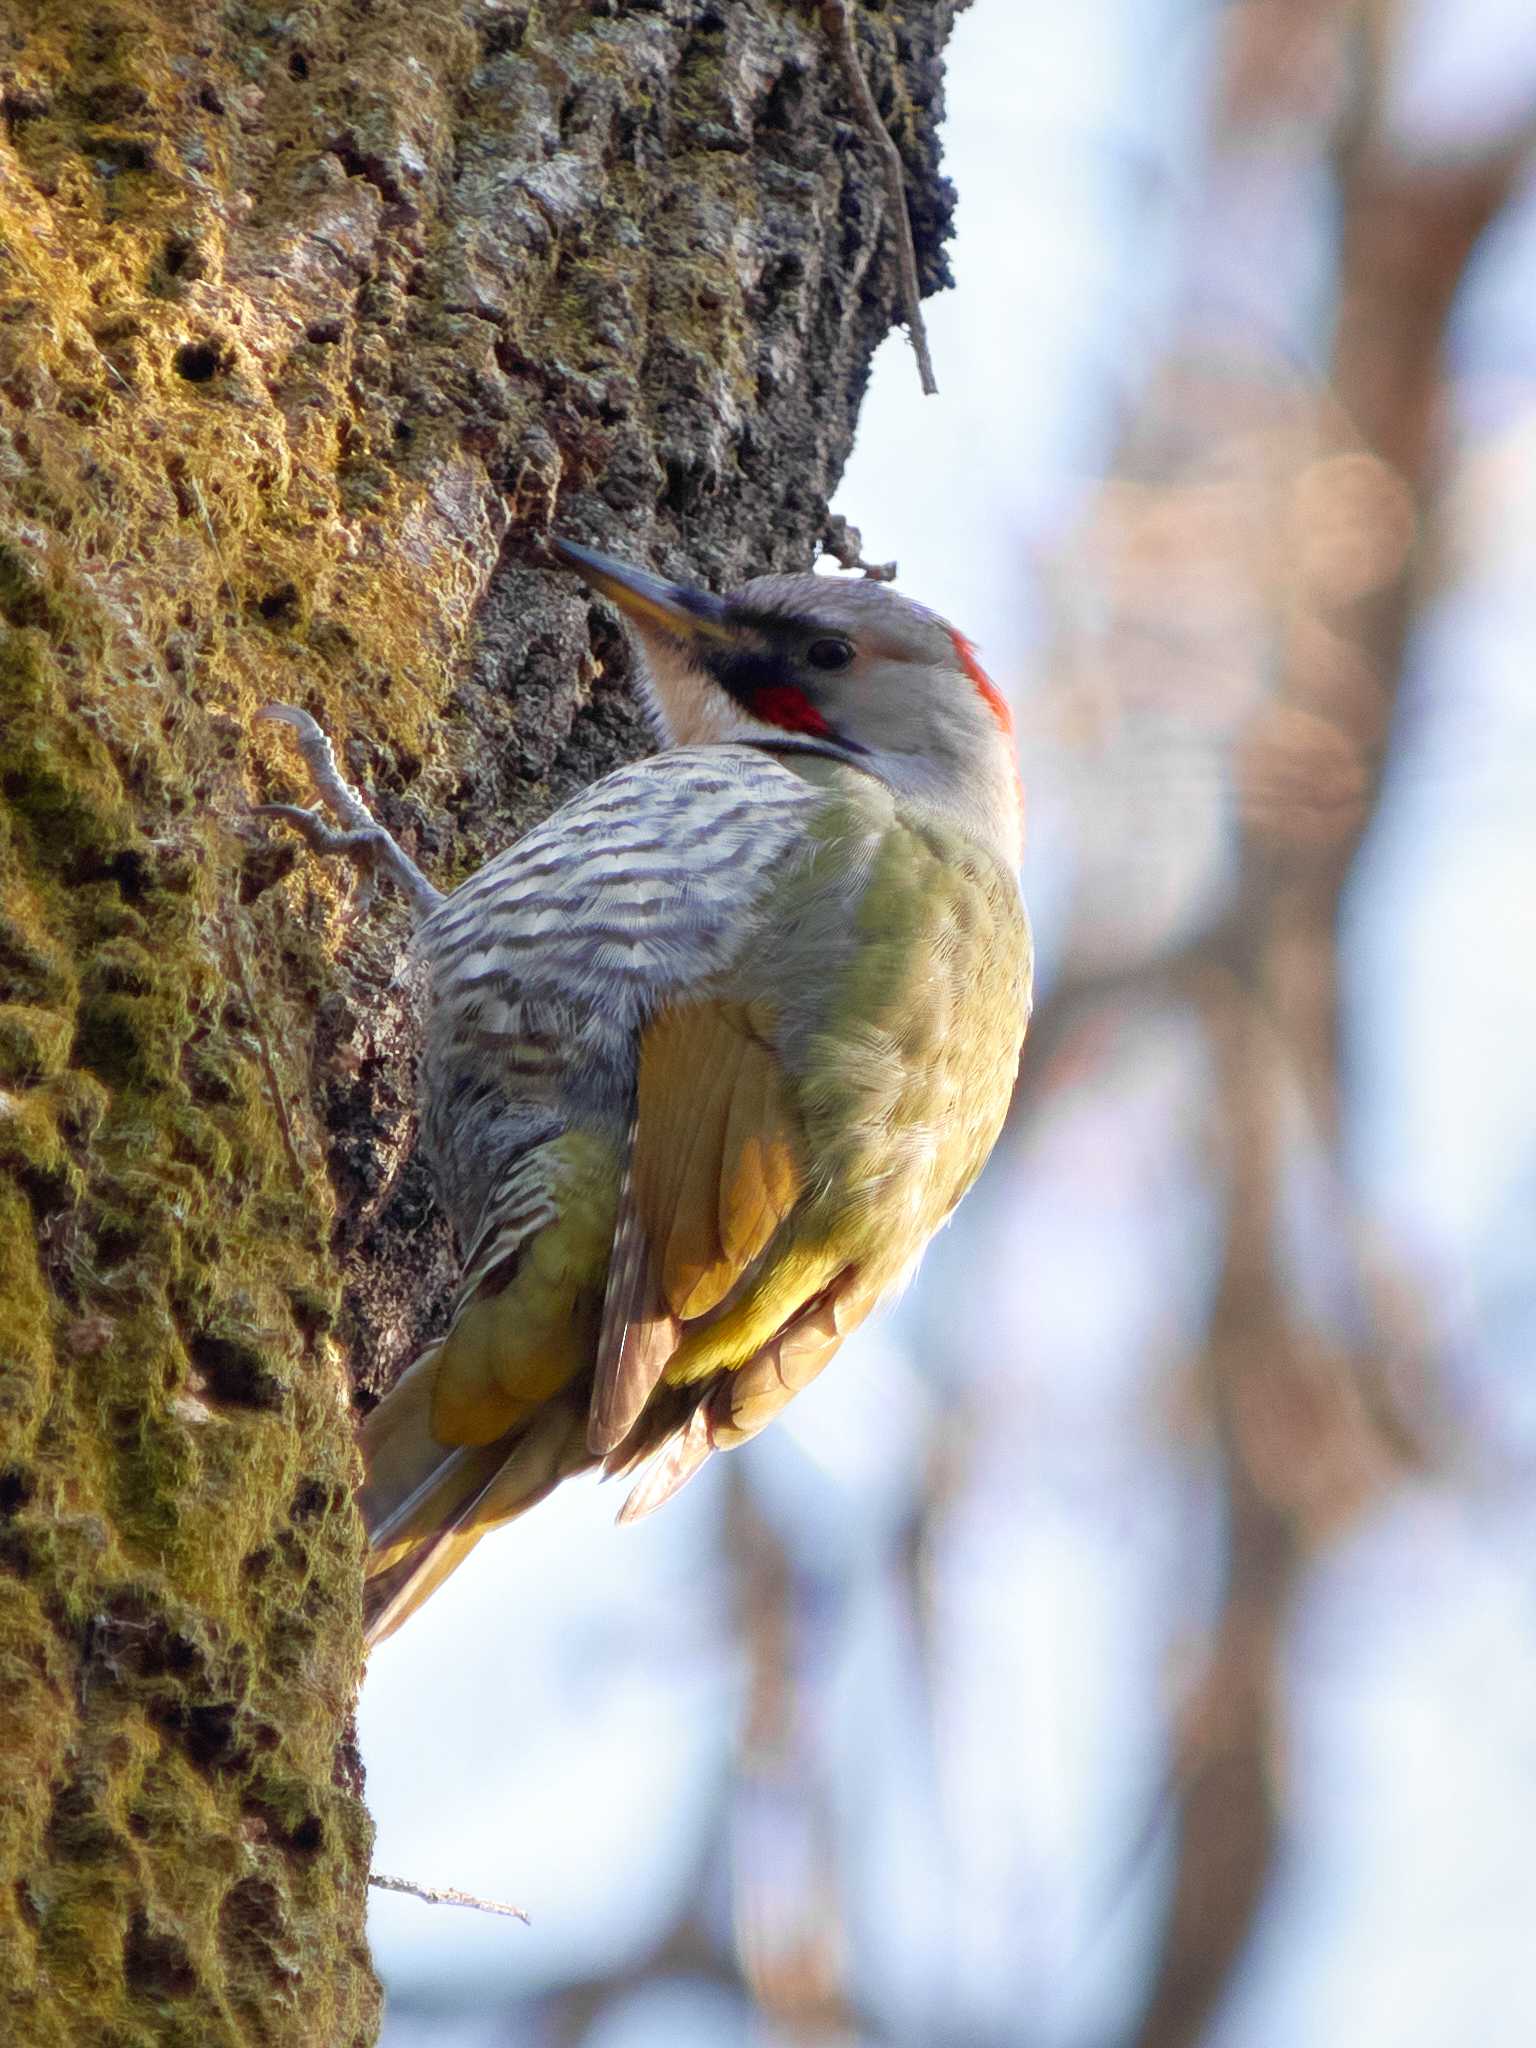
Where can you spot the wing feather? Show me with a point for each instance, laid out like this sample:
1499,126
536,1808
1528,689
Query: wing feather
679,1458
474,1490
638,1333
713,1171
684,1120
736,1405
751,1396
717,1150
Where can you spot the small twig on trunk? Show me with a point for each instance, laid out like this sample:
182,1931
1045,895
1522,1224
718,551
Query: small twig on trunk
264,1053
838,23
446,1895
845,544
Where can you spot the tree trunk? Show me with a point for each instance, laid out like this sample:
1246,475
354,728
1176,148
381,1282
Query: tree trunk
309,320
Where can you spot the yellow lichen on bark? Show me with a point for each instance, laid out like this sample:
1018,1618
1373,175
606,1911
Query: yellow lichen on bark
178,1628
185,1849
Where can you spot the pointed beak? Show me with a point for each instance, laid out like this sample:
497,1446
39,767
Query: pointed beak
671,607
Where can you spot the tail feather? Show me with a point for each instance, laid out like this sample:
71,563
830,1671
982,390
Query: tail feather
426,1503
416,1541
671,1467
403,1463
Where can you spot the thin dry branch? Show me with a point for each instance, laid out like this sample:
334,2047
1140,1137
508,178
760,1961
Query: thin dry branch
838,23
446,1895
845,544
264,1053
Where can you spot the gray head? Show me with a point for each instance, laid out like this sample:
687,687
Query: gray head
830,665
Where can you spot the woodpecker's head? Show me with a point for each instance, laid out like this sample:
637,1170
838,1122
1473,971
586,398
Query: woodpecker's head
831,666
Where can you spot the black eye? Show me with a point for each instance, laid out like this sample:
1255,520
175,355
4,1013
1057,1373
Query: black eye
829,654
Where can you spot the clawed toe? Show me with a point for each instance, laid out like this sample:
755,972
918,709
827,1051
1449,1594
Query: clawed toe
361,837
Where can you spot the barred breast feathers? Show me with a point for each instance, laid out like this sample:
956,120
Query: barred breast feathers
642,871
542,966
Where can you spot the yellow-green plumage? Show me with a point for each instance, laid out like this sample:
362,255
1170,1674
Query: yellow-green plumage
894,1086
514,1343
710,1057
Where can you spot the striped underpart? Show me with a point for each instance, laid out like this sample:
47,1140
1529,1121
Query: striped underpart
546,963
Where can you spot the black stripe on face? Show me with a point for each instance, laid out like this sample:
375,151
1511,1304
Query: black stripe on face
766,683
743,672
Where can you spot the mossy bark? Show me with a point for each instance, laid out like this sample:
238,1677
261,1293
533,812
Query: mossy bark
309,320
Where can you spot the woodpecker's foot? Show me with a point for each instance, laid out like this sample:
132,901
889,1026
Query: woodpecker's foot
361,838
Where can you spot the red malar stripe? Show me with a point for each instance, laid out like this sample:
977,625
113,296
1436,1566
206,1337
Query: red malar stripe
781,704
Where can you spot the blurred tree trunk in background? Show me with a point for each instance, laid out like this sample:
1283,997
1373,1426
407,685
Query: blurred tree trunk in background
1308,1431
1264,545
308,320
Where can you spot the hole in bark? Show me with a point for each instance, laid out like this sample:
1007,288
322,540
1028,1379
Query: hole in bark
183,257
16,1489
186,496
304,1836
312,1313
23,601
156,1964
308,1836
123,1423
114,154
78,1831
130,870
118,100
263,866
206,1733
373,169
688,481
236,1372
20,104
197,361
132,1639
280,607
785,107
308,1502
207,1073
498,37
324,333
210,99
298,65
779,278
115,1244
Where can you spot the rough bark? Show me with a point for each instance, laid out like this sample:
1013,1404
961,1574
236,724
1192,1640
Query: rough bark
310,322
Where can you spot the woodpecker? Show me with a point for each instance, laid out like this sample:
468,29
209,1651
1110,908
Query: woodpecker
708,1057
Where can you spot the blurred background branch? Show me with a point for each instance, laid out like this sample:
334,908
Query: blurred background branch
1340,481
